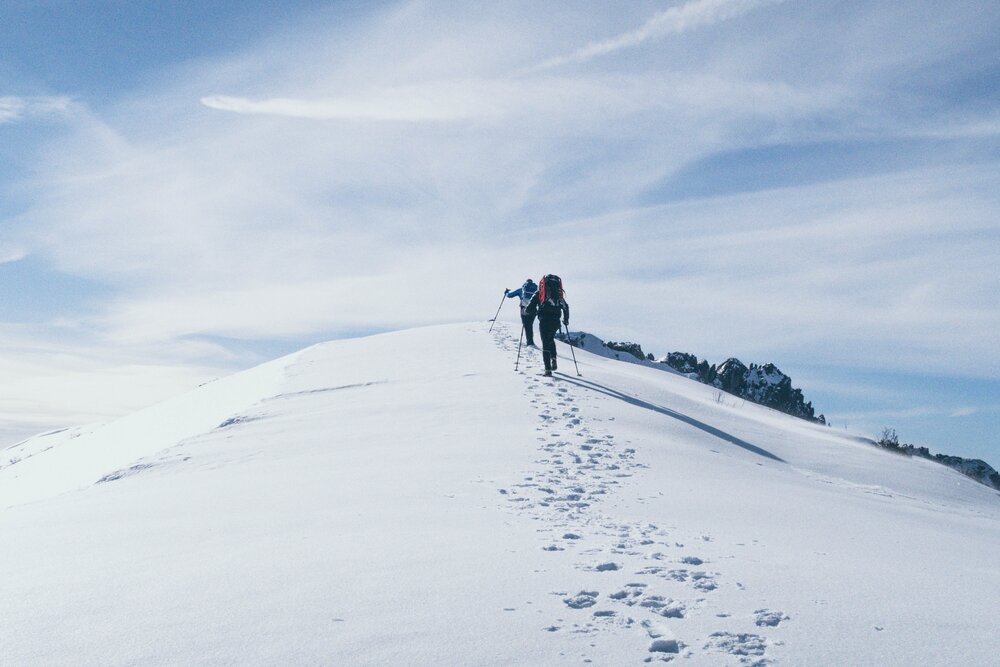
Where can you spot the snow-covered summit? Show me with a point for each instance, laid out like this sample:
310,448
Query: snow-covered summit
409,499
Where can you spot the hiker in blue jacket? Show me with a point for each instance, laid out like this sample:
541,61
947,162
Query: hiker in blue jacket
528,310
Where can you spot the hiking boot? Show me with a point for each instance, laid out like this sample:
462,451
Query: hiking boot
547,373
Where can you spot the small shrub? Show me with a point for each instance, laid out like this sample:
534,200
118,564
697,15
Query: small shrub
889,439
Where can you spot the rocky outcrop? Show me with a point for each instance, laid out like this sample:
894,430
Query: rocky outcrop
769,386
629,348
765,384
977,469
682,362
731,376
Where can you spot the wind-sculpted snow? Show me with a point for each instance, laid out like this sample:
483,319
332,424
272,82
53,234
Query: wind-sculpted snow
408,499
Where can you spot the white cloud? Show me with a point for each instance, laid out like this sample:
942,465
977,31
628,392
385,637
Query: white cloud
677,19
14,108
438,177
12,254
436,102
921,411
548,99
49,382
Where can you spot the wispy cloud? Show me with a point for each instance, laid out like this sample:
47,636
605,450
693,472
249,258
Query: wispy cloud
12,254
546,98
441,101
21,108
50,381
921,411
461,160
440,157
677,19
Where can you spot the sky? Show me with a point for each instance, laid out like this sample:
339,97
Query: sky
191,188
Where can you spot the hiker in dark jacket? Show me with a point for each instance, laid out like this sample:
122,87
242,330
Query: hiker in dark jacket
526,291
550,303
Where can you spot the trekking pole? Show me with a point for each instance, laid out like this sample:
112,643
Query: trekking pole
520,338
494,320
571,351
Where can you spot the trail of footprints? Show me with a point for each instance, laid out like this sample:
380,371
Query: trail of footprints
651,578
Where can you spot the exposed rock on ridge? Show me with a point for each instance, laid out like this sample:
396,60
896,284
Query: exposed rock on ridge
765,384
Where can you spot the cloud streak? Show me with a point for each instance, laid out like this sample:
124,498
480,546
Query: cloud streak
436,102
47,381
360,172
13,109
12,254
681,18
215,213
542,97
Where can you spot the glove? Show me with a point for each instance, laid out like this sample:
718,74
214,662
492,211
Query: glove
506,291
565,323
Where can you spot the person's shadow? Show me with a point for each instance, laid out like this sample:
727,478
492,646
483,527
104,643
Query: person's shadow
632,400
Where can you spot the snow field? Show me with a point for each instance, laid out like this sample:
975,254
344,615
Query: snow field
408,499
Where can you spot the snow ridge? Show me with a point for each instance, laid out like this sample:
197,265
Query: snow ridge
407,498
976,469
765,384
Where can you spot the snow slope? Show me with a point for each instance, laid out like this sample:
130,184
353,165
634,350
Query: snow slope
408,499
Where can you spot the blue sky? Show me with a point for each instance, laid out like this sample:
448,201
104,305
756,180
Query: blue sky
188,188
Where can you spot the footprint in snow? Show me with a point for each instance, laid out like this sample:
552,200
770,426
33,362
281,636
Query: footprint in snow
766,617
666,607
582,600
665,646
704,582
743,645
626,596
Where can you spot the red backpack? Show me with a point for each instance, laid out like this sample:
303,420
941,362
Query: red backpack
550,290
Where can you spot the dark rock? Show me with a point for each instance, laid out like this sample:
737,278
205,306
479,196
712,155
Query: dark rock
630,348
731,376
682,362
975,469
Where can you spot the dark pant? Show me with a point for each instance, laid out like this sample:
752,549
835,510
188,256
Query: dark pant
547,329
529,327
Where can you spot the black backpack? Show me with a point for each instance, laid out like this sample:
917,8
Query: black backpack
550,295
551,288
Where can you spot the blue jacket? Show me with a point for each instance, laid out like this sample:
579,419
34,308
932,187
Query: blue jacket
525,291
